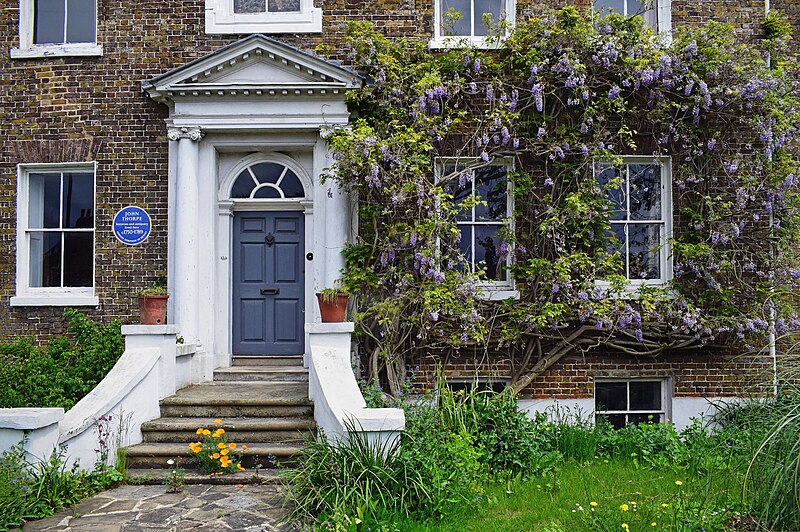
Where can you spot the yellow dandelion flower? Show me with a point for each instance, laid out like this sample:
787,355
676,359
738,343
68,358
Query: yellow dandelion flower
665,505
239,467
653,524
221,445
625,526
232,445
224,452
623,507
200,430
632,503
593,503
218,421
678,483
215,456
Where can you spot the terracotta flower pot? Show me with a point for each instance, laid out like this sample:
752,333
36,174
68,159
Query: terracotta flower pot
153,310
332,310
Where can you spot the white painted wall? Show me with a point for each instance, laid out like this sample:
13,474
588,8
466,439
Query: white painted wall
338,403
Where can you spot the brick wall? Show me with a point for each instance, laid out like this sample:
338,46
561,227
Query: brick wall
57,109
693,374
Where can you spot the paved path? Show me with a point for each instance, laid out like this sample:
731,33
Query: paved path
247,508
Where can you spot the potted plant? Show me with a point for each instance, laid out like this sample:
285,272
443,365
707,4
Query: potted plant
153,305
332,304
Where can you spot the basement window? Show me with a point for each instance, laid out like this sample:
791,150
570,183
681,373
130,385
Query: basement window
622,402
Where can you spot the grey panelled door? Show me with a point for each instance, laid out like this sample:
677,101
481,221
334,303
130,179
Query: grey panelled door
268,283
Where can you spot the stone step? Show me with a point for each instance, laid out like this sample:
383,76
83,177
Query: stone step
156,455
245,430
283,360
262,373
191,475
239,399
230,411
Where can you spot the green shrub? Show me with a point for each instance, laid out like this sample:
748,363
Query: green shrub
35,489
62,372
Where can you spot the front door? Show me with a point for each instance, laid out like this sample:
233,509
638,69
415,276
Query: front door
268,290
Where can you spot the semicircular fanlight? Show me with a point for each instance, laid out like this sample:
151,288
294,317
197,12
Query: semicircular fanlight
267,181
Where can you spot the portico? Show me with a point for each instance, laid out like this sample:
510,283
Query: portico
246,152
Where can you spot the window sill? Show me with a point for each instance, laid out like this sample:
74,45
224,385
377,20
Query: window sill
446,43
302,22
55,300
38,51
498,293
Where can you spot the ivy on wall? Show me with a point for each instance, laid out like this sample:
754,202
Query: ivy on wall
559,96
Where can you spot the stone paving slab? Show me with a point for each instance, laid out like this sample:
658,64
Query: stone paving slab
247,508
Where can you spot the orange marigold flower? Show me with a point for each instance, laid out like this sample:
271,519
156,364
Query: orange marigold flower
244,447
224,452
215,456
232,445
218,421
220,445
206,432
239,467
200,430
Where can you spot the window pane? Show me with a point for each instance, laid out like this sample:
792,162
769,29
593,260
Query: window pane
45,259
243,186
44,207
645,190
491,187
645,395
616,420
78,200
493,7
267,193
267,172
487,252
283,6
636,7
635,419
291,185
48,21
81,21
615,6
249,6
644,251
452,23
465,246
615,193
610,396
618,231
78,259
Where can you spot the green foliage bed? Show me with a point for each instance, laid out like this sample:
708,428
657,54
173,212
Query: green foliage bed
64,370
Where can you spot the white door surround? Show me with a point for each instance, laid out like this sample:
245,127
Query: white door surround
255,100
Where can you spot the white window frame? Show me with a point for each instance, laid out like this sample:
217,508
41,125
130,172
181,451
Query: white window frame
665,234
221,19
491,290
28,50
665,412
27,296
442,41
663,12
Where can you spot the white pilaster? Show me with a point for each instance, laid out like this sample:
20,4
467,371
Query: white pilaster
337,221
186,283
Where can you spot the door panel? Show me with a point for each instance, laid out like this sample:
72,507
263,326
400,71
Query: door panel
268,291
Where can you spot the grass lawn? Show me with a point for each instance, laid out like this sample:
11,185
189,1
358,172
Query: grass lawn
537,505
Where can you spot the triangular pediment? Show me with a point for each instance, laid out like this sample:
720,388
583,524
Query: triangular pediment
256,64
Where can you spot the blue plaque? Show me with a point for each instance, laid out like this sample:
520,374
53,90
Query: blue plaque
132,225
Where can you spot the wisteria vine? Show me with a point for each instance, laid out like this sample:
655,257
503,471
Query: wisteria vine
561,93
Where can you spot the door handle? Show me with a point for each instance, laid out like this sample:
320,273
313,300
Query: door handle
270,291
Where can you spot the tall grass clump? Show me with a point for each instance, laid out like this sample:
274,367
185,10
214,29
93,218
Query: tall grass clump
454,445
